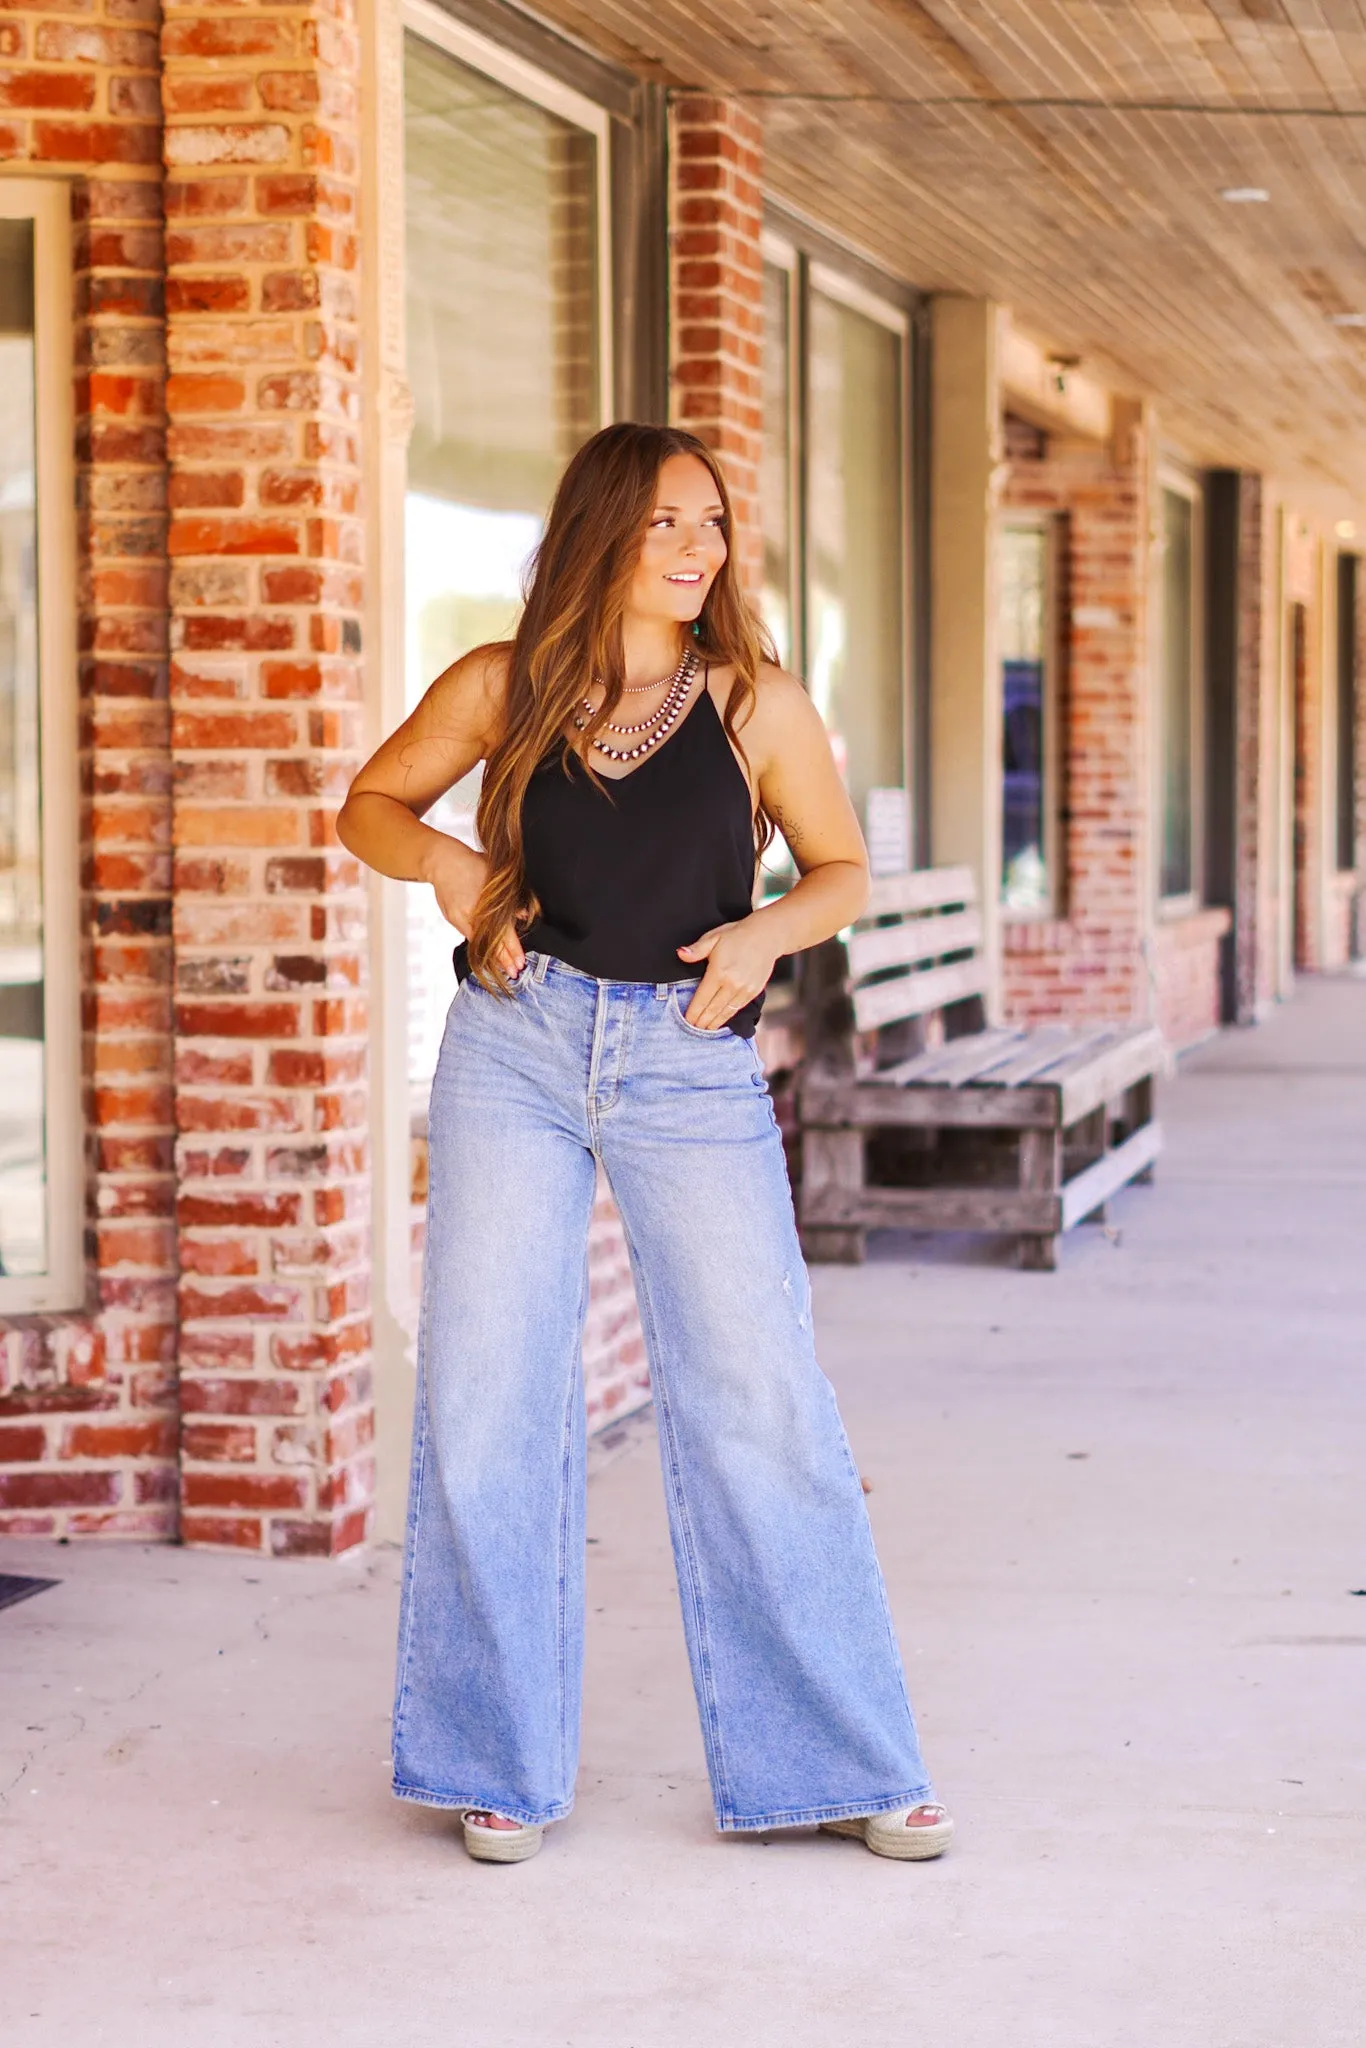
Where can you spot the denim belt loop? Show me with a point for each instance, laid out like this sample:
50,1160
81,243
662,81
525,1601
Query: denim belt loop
538,972
662,991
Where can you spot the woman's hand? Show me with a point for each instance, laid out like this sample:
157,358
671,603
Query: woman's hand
457,874
739,961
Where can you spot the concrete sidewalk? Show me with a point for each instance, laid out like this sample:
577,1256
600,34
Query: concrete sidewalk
1120,1513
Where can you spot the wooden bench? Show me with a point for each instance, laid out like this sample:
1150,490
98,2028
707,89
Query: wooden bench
995,1129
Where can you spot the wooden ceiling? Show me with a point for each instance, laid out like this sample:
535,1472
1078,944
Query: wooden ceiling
1067,157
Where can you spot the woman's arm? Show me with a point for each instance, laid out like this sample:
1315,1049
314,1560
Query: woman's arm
451,730
794,768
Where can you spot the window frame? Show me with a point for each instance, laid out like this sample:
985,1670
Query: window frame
543,89
1053,526
62,1286
816,262
1346,711
1174,476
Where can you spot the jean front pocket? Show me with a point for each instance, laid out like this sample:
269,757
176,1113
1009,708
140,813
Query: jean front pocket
676,1005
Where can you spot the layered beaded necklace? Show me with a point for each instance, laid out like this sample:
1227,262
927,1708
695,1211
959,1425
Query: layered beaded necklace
658,725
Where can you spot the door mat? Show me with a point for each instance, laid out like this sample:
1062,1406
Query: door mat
13,1589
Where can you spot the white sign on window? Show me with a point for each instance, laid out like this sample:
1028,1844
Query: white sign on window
888,828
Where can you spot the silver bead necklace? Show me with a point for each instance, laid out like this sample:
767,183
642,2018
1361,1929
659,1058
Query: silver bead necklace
658,725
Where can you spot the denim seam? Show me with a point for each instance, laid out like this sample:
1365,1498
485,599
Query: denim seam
415,1490
594,1065
562,1617
712,1728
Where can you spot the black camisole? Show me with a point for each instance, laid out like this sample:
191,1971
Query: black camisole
626,873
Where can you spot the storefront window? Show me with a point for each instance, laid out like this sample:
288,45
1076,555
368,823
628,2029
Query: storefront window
504,360
23,1225
855,654
1027,805
1179,699
834,497
776,466
42,1206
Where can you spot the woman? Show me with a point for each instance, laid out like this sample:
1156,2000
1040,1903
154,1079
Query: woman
636,747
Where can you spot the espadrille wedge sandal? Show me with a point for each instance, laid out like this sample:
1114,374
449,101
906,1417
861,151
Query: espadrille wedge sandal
500,1845
887,1834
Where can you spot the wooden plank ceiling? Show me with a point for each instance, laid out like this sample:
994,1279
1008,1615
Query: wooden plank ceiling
1067,157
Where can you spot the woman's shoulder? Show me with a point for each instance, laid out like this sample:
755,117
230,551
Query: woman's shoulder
775,689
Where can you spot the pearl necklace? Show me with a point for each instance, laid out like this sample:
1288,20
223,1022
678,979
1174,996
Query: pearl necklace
658,725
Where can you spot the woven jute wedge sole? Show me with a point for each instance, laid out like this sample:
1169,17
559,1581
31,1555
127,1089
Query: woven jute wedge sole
501,1845
887,1834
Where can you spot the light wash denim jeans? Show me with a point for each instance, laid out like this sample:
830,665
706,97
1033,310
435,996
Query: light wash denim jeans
798,1681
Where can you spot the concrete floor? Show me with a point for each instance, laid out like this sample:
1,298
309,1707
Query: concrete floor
1120,1511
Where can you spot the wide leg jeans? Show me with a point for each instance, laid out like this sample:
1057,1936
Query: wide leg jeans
798,1680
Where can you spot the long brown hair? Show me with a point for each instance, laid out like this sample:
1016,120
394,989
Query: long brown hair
570,632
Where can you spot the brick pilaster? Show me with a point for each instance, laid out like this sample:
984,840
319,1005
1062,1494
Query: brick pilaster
716,295
87,1401
1089,961
261,149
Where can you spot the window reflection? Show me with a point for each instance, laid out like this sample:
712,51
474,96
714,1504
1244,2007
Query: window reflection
502,267
775,469
855,648
23,1235
1023,562
1178,826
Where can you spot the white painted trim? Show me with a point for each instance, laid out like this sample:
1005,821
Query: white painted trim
833,285
47,202
527,80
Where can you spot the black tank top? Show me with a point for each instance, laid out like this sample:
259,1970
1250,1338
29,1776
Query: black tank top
628,872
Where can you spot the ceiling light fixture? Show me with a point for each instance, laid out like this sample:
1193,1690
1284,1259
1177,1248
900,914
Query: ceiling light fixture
1347,319
1245,195
1346,529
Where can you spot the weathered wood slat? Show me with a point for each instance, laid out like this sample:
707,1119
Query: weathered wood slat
921,889
923,938
958,1060
1095,1184
935,1208
1091,1045
911,995
868,1104
1042,1049
1131,1058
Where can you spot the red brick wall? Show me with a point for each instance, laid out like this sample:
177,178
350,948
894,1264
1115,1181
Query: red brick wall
263,398
1088,961
1186,972
716,288
87,1402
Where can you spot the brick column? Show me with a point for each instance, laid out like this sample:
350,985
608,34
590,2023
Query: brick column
87,1401
716,296
1089,962
265,544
